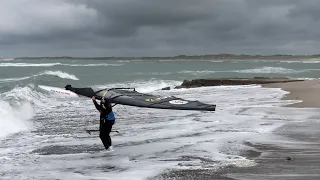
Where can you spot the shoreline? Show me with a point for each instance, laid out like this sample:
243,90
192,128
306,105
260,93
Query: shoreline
296,161
307,91
275,161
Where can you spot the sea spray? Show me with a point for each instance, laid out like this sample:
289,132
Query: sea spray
13,120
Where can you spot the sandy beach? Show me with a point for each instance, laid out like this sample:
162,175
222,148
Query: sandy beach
306,91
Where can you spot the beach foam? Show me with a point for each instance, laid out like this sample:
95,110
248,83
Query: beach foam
148,146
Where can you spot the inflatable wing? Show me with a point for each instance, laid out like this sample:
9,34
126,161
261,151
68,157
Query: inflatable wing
130,97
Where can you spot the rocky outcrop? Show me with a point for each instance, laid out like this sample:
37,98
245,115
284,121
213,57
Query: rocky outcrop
166,88
232,81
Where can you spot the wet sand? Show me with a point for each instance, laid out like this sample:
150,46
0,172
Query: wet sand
278,162
306,91
300,160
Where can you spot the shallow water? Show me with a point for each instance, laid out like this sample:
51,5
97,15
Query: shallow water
43,135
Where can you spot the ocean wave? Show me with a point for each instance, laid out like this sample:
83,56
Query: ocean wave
53,64
179,72
25,94
14,120
268,70
303,61
28,64
15,79
92,65
143,86
60,74
198,72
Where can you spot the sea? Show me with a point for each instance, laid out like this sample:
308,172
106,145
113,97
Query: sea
42,135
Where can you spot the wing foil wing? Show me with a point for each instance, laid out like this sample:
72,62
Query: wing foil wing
134,98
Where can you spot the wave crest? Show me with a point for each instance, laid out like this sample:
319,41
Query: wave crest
60,74
268,70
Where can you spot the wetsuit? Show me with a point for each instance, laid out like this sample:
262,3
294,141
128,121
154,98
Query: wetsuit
107,120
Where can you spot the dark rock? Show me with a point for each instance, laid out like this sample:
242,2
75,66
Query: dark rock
232,81
289,158
166,88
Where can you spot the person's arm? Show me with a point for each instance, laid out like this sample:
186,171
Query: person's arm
96,104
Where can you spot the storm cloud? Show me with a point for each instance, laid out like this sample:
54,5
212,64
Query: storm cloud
158,28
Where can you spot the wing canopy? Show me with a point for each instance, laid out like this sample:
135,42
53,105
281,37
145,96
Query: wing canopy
134,98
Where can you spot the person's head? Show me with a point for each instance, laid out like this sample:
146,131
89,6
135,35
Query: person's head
105,101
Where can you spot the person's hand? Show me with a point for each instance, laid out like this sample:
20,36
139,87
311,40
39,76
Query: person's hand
93,98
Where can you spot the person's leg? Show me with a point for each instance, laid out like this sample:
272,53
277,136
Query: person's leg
104,138
104,133
109,125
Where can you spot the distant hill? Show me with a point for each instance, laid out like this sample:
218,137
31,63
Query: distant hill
185,57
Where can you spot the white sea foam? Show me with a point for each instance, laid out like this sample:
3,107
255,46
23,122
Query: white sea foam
13,120
152,140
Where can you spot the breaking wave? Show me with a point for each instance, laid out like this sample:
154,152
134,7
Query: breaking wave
14,120
267,70
90,65
261,70
60,74
28,64
302,61
20,104
144,86
198,72
179,72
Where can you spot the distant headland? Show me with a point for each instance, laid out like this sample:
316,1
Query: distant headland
194,57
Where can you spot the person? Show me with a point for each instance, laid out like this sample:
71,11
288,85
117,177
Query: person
107,119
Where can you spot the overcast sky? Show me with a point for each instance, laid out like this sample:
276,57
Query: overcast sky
158,27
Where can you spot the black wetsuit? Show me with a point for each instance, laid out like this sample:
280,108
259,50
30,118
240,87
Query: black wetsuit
106,122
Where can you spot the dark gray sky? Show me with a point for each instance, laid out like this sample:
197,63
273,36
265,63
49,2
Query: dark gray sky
158,27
